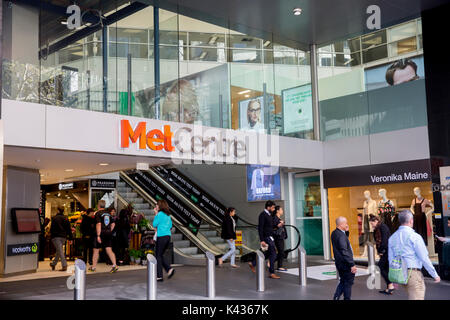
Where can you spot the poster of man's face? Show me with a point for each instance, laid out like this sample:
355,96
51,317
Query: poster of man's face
251,114
395,73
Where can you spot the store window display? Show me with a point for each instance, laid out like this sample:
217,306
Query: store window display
356,203
369,208
386,210
423,209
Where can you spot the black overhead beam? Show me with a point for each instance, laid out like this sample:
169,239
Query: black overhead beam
86,31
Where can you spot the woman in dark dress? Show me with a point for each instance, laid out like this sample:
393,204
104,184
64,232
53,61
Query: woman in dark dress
382,234
123,230
280,236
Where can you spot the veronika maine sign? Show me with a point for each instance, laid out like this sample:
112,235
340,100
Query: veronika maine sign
397,172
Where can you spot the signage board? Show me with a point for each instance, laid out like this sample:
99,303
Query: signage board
103,183
238,241
263,183
65,186
386,173
22,249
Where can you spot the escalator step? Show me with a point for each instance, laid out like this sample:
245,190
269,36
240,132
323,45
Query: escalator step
181,244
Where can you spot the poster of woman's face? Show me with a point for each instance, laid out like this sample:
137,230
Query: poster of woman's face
251,114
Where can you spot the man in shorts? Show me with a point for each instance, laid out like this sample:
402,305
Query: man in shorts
104,227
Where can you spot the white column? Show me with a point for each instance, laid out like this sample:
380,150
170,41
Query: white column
325,220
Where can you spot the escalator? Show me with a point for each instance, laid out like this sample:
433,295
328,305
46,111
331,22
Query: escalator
192,193
197,216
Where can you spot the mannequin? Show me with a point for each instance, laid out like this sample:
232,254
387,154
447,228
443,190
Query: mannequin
422,209
370,207
386,209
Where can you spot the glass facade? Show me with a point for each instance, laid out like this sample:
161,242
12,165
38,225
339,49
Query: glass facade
372,83
208,74
219,77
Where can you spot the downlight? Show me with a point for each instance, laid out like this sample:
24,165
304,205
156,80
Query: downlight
297,11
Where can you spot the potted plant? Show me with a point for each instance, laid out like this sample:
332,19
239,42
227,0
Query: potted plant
144,225
133,254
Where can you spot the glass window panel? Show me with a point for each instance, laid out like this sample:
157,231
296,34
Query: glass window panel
248,56
325,48
342,60
123,49
285,57
71,54
375,54
244,42
304,58
420,44
267,44
339,46
373,39
355,59
268,56
403,31
354,44
419,26
325,59
172,52
171,37
207,54
94,49
206,39
403,46
128,35
96,36
279,47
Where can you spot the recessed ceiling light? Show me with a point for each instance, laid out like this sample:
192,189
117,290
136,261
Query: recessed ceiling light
64,22
297,11
68,170
247,96
266,43
103,164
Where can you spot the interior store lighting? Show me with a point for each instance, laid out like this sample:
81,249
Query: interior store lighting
245,91
297,11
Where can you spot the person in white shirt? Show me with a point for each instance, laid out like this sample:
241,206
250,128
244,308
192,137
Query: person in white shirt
414,253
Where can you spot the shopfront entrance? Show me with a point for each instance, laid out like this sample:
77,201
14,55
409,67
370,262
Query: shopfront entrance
308,211
382,190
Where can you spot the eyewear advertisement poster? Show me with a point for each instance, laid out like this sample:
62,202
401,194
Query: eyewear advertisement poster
263,183
297,109
394,73
251,114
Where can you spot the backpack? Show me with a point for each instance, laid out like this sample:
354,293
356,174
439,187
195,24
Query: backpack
398,270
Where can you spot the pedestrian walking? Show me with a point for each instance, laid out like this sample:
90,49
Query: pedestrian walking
280,236
343,258
88,235
229,234
266,237
60,230
382,234
104,228
123,231
163,225
410,246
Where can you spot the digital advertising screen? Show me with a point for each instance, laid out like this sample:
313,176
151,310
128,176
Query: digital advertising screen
297,109
263,183
26,220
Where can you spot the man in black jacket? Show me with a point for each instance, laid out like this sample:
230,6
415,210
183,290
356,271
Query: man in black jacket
265,230
88,234
343,257
59,230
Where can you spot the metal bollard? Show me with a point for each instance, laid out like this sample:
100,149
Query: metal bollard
260,271
302,268
210,275
151,277
371,258
80,280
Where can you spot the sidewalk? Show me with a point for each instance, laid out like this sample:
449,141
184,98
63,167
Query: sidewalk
189,283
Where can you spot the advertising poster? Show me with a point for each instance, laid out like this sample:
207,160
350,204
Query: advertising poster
445,190
195,97
251,114
297,109
263,183
394,73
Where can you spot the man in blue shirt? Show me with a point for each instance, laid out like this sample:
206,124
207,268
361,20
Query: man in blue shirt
414,252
